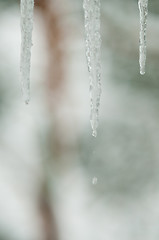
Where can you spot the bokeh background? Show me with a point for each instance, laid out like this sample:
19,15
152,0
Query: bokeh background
57,182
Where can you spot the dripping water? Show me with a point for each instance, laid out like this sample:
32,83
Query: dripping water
94,180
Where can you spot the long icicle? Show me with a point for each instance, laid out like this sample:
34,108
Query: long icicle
27,8
143,8
93,46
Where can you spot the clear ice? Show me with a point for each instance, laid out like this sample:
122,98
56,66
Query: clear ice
27,8
143,8
93,46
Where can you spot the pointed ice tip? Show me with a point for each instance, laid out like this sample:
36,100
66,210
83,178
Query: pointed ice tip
27,101
94,133
142,72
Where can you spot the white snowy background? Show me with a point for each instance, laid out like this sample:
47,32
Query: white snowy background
48,158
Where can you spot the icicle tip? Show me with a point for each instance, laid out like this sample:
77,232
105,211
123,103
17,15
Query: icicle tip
142,70
94,133
142,73
27,102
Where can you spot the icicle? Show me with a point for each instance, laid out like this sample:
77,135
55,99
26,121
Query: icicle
27,7
93,45
143,8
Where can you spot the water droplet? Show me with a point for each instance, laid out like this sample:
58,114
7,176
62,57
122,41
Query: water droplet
94,180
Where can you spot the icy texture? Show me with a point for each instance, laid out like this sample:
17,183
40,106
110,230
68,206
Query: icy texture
27,8
143,8
93,45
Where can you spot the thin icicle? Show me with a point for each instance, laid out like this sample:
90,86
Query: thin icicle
27,8
143,8
93,45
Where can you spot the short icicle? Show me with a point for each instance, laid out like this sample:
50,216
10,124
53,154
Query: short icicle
143,8
93,47
27,8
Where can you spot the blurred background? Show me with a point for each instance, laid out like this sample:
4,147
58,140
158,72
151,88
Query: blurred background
57,182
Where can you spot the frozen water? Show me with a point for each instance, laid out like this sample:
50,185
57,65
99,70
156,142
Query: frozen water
93,45
27,8
143,8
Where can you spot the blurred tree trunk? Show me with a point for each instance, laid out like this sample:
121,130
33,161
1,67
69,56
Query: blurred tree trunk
50,12
55,91
47,214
